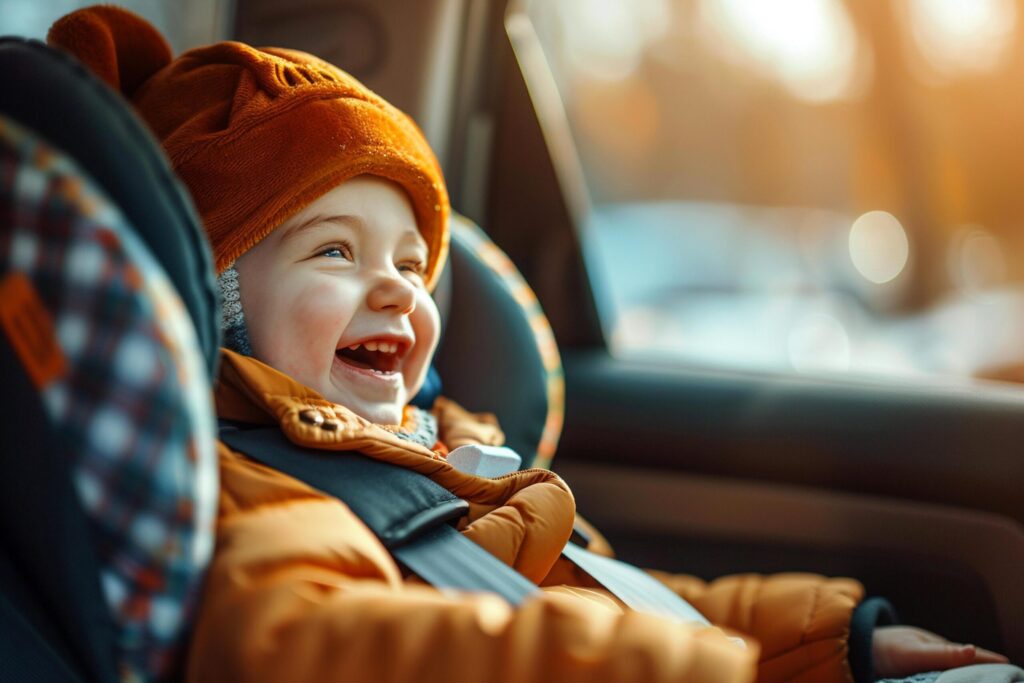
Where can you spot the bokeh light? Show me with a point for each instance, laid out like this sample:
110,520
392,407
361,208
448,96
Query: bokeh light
879,247
809,45
976,260
962,36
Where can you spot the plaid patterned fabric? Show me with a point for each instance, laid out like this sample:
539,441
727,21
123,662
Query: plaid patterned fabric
133,396
497,261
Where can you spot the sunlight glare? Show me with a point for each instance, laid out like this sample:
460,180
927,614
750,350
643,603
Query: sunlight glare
606,39
958,36
810,45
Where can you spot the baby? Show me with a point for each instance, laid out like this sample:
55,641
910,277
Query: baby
336,298
327,215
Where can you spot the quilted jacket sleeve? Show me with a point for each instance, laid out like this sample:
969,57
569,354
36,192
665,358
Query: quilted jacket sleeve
802,621
299,590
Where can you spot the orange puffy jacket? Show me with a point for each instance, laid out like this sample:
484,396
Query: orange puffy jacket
301,590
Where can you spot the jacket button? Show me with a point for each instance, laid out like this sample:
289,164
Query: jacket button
330,425
311,417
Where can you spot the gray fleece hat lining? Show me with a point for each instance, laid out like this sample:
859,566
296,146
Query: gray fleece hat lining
232,319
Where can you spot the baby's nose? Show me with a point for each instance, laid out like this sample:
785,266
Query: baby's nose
392,293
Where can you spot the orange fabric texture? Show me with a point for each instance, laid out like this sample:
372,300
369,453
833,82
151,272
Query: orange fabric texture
802,621
258,134
28,325
300,590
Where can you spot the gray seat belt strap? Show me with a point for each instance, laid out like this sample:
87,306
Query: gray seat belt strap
444,558
636,588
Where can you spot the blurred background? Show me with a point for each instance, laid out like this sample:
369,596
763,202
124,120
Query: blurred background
185,23
809,186
818,186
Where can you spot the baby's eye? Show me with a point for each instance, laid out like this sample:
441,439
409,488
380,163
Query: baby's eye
418,268
342,251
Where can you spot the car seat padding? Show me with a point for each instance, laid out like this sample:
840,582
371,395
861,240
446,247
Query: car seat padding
50,93
489,357
125,432
42,525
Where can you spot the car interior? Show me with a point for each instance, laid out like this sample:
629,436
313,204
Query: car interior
694,439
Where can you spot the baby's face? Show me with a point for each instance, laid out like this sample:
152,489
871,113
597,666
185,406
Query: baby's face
335,298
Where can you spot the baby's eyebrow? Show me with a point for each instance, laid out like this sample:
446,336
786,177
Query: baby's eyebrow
314,221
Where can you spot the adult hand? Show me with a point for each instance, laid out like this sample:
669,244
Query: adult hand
900,651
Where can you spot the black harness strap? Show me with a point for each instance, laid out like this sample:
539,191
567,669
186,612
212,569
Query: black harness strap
408,512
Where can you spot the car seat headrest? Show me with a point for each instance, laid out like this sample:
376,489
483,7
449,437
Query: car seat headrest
58,98
498,353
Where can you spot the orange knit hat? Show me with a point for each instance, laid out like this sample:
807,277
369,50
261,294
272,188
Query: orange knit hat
258,134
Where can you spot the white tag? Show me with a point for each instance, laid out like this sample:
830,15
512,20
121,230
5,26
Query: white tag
485,461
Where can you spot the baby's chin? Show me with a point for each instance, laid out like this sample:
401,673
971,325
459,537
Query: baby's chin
377,412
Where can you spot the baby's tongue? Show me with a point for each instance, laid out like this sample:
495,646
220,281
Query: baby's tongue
362,357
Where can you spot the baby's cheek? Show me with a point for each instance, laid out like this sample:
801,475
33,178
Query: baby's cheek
426,324
307,332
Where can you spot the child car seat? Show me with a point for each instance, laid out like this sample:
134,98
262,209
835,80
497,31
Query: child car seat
55,619
108,340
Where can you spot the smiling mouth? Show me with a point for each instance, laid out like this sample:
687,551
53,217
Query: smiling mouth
382,358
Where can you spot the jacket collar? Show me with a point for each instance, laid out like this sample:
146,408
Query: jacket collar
252,391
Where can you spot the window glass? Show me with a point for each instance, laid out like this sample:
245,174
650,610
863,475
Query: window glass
819,186
185,23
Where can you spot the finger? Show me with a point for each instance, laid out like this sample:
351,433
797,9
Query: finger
937,657
983,656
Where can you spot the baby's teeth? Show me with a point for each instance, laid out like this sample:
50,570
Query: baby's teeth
381,346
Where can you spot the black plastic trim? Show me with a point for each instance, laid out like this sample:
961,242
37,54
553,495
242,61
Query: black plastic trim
957,445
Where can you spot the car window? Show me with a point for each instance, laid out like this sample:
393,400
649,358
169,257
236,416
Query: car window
812,186
185,24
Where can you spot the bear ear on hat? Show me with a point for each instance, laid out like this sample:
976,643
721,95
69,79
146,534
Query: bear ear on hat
120,47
